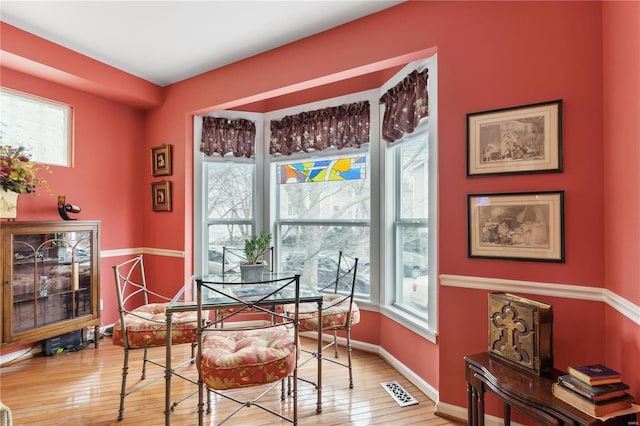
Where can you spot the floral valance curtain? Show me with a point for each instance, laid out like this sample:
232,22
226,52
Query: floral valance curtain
223,136
405,104
340,127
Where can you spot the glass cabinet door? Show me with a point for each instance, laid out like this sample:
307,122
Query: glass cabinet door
51,279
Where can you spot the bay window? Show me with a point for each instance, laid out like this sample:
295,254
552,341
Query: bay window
334,175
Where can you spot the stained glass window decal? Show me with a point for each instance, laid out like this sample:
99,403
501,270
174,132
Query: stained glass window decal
324,170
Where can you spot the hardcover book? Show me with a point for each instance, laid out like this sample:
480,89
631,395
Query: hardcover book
595,374
594,393
594,409
520,332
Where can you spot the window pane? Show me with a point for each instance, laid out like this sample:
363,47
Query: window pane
230,190
41,126
414,179
412,238
414,267
312,251
225,235
325,189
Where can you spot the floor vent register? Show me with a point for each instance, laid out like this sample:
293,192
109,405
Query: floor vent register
398,393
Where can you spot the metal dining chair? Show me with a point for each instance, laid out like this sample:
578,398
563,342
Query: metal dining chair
339,312
142,324
263,356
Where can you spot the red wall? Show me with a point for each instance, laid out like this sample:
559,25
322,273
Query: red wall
621,107
490,55
105,179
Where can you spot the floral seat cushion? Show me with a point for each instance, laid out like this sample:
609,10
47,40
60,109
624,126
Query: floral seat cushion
335,308
146,327
241,358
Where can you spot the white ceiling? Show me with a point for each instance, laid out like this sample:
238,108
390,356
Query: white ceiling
168,41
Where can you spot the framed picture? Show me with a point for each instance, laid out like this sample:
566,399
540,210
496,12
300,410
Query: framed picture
161,196
161,160
518,226
524,139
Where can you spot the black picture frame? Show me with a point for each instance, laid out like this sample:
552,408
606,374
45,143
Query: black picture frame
515,140
517,226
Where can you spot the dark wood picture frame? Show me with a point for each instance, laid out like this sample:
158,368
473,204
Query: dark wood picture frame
517,226
515,140
161,161
161,196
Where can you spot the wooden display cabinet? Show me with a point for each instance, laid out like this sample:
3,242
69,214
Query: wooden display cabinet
50,279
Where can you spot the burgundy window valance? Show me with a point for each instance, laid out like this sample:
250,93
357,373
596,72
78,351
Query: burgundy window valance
405,104
223,136
340,127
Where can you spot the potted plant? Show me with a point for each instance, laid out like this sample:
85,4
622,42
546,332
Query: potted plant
254,248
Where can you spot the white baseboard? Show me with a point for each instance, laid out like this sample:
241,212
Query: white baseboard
421,384
19,355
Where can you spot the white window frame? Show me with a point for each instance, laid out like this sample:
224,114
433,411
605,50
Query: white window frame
372,154
427,328
201,221
51,146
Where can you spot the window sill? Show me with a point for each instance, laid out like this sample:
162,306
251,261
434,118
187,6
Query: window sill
414,324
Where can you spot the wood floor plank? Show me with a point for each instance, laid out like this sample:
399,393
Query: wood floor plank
83,388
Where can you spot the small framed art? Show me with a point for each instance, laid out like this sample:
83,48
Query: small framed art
161,160
517,226
523,139
161,196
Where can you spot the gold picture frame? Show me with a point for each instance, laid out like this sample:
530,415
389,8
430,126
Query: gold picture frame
161,161
161,196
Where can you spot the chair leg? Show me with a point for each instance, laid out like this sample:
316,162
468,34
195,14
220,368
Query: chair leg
144,365
335,343
125,369
348,332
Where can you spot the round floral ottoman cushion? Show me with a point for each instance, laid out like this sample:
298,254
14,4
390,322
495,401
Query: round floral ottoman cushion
241,358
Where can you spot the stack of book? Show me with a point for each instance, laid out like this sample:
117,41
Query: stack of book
593,389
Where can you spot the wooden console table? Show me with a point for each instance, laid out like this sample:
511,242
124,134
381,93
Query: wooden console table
525,391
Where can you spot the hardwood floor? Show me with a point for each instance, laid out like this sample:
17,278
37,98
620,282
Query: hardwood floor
83,387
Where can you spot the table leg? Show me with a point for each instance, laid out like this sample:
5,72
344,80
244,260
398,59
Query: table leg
507,414
480,410
320,344
201,386
96,336
167,373
470,405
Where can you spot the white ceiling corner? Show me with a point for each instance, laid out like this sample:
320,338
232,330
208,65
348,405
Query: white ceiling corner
168,41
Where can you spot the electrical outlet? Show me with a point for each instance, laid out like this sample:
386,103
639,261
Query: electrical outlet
101,304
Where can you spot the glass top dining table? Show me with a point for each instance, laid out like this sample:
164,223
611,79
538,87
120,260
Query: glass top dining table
224,291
